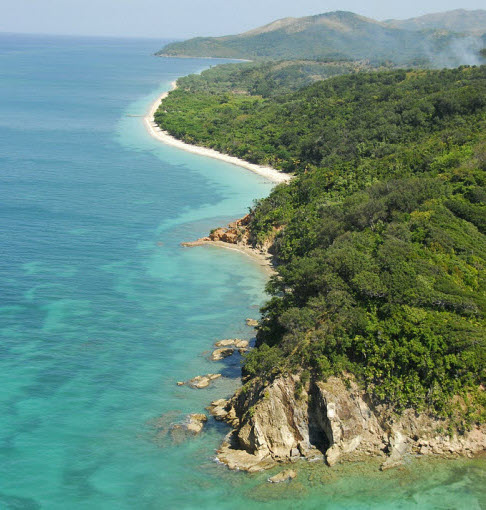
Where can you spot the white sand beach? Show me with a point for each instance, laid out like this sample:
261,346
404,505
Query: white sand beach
269,173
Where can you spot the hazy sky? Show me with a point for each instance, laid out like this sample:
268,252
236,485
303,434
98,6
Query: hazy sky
187,18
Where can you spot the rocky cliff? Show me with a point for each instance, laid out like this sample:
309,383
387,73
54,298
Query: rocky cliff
334,421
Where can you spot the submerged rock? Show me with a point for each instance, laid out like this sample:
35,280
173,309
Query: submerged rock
176,428
284,476
197,242
192,425
162,425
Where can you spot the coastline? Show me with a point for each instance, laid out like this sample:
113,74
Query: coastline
163,136
261,258
164,55
392,444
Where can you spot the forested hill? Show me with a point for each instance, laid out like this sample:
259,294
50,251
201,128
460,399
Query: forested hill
337,34
270,78
381,237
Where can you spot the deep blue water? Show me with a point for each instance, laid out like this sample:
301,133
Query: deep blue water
102,311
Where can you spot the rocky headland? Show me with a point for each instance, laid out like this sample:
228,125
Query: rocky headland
236,236
332,421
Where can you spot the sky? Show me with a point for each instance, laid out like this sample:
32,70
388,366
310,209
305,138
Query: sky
188,18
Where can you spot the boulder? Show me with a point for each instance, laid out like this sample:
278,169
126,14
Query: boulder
240,459
218,409
197,242
230,236
395,460
195,422
217,234
226,343
223,352
252,323
233,342
202,381
397,449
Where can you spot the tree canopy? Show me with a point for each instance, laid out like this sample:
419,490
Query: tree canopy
380,239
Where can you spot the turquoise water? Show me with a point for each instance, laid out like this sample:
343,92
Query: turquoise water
103,311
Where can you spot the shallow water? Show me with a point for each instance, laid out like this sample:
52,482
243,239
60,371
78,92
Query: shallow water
103,311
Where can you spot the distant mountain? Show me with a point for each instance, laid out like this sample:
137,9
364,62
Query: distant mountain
460,20
333,35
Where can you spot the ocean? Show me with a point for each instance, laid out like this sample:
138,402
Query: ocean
102,311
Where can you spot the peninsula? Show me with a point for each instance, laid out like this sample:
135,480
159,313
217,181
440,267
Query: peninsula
374,339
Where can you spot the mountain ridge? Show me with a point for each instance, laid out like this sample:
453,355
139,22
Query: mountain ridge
473,21
338,34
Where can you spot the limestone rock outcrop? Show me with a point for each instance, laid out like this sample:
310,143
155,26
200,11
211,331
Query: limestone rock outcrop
333,421
234,233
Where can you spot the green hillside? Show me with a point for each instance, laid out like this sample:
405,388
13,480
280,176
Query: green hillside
269,78
381,238
332,35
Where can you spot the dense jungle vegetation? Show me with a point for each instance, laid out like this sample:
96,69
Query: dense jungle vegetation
380,239
271,78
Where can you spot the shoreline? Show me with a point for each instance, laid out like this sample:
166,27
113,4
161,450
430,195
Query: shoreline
261,258
401,444
163,136
164,55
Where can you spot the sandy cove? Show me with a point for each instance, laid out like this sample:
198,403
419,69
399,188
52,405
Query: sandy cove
267,172
263,259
